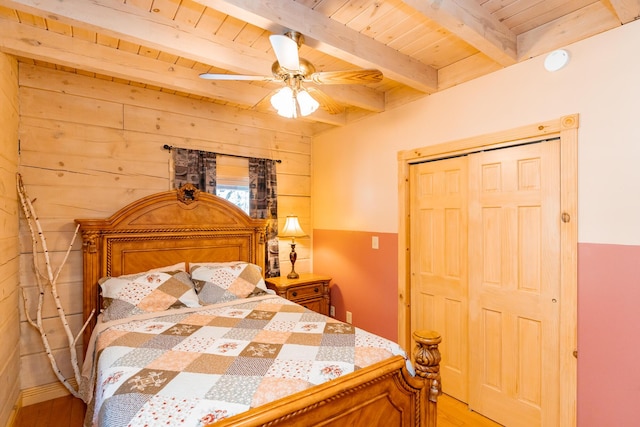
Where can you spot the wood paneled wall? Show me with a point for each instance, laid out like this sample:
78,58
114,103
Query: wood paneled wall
88,146
9,253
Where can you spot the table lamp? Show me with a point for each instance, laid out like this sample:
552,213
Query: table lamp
292,229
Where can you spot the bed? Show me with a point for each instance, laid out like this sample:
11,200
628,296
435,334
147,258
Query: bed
192,232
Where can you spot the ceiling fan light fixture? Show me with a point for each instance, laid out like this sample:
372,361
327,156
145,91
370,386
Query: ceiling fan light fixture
292,103
306,103
284,102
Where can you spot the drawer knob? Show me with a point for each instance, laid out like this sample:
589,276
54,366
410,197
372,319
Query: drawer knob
315,290
295,294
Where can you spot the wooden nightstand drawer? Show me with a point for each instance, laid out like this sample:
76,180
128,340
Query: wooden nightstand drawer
309,290
303,292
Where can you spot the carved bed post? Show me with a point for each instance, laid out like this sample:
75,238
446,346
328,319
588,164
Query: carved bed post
91,274
427,361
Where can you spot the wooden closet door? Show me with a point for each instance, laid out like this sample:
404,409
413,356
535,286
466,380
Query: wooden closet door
514,280
439,263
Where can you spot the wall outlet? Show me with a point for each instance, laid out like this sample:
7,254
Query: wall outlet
332,311
374,242
349,317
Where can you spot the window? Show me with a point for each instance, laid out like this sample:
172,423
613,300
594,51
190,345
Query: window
232,180
239,196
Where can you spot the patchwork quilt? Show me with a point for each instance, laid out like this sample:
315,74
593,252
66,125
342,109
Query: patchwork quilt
194,366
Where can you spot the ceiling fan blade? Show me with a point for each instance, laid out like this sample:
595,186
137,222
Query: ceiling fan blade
210,76
286,50
326,102
346,77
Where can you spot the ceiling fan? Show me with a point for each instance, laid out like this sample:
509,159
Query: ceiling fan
294,100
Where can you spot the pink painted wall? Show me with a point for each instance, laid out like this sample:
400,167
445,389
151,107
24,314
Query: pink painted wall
365,283
365,280
355,188
608,335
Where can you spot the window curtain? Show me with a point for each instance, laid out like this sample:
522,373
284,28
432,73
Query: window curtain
263,199
195,167
199,168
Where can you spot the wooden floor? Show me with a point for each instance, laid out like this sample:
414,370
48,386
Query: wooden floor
452,412
62,412
69,412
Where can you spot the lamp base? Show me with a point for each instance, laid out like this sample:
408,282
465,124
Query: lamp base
292,257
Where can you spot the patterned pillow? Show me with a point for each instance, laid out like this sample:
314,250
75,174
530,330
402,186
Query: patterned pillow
147,292
220,282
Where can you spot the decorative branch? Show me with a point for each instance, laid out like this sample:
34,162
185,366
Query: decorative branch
48,281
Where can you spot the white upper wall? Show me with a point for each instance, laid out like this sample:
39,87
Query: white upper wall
355,168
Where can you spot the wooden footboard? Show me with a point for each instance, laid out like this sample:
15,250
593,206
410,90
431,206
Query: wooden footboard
384,394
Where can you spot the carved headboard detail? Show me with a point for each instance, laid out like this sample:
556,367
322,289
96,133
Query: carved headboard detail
184,225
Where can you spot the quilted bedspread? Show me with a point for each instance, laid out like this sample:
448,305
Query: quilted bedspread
190,367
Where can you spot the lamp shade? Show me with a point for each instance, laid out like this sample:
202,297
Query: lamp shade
292,228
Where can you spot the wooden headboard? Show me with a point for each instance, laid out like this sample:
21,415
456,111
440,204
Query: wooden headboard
184,225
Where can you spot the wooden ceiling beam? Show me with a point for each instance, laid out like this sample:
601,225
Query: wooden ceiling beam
39,44
627,10
330,37
31,42
467,69
579,25
474,25
355,95
137,26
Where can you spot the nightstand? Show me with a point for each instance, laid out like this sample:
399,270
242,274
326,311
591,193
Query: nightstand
309,290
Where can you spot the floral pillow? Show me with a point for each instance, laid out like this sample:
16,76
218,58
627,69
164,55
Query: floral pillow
147,292
220,282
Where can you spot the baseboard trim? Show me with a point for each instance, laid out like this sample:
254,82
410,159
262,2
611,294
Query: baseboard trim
42,393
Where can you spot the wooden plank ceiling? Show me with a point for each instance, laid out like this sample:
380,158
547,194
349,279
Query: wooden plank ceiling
421,46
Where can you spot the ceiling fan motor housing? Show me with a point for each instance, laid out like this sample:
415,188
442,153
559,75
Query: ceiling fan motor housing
304,70
296,37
